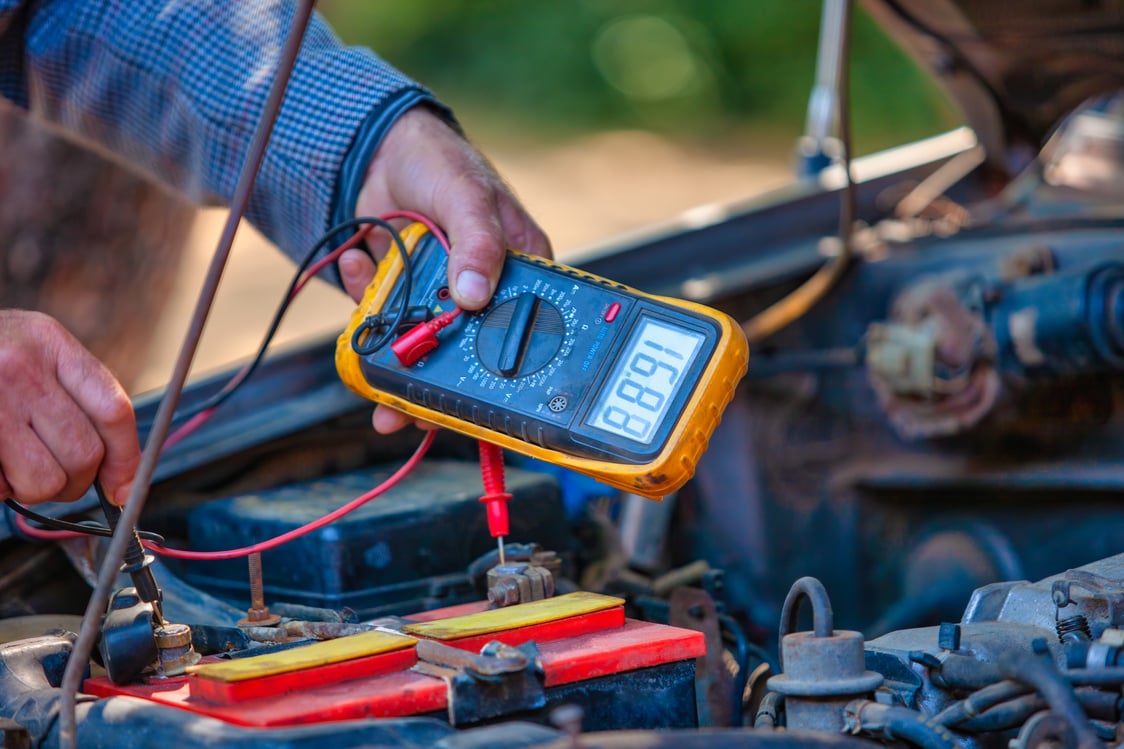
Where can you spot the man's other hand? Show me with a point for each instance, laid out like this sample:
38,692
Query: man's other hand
64,418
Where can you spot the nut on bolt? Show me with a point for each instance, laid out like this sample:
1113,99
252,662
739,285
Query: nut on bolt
173,641
504,593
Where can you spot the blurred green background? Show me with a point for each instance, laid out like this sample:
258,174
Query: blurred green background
707,71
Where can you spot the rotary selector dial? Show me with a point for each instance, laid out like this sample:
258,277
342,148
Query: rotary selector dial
520,336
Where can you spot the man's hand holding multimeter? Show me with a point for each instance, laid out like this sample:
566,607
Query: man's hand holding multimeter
561,365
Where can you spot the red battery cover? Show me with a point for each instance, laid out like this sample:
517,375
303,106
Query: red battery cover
573,648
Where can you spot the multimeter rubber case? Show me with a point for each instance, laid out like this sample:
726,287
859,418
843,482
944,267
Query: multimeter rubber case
561,365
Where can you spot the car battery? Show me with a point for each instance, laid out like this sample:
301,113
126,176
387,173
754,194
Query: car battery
406,550
467,664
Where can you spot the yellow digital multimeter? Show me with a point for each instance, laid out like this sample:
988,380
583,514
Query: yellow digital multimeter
561,365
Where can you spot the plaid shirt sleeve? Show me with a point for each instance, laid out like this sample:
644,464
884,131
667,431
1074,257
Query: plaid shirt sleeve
176,88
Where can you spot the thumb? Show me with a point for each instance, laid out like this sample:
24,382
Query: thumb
357,270
477,255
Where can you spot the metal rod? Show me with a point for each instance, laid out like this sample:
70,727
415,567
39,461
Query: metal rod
79,657
499,541
824,102
257,594
792,307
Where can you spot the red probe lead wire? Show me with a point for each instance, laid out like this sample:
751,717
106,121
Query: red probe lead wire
196,421
495,495
320,522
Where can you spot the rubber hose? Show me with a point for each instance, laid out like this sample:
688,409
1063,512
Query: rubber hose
897,723
1040,674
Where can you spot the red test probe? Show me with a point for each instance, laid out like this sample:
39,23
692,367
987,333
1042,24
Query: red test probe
495,494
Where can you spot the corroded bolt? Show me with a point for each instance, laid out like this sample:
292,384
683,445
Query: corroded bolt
504,593
258,614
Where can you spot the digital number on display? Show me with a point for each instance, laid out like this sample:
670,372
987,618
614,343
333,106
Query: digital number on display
645,380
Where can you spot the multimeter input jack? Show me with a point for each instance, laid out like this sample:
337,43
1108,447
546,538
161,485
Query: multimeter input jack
373,333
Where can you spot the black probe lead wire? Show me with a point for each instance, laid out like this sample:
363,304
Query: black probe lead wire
138,493
87,527
328,237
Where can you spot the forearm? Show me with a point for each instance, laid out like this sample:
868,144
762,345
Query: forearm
176,89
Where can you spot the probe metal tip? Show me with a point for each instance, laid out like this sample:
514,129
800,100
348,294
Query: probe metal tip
499,540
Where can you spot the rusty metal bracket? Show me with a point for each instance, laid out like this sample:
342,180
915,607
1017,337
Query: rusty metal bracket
692,608
500,680
1099,588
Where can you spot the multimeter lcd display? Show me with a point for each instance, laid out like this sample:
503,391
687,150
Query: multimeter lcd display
645,380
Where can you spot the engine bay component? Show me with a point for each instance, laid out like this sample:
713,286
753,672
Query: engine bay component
822,670
406,552
173,643
1061,323
128,644
518,583
523,582
953,340
500,680
258,614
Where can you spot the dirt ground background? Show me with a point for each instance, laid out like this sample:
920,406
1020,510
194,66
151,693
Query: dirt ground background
583,192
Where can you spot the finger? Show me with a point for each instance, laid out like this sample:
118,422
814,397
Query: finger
520,231
386,420
5,487
30,468
378,242
110,412
357,271
73,442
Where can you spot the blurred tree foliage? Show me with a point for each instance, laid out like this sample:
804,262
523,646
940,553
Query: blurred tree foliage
697,69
